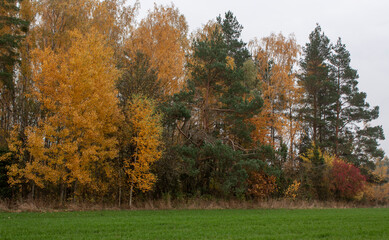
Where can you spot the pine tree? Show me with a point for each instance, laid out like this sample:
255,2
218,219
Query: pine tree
232,30
317,109
12,32
335,110
13,29
219,84
220,105
354,138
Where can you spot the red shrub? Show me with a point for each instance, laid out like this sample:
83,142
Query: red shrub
347,180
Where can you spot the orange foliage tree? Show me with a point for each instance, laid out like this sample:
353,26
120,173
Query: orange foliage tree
57,18
146,130
162,37
276,56
73,141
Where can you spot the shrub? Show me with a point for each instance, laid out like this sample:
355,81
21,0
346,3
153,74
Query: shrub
347,180
261,185
292,190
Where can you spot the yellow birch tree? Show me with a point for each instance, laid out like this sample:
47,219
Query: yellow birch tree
74,140
162,37
276,56
145,126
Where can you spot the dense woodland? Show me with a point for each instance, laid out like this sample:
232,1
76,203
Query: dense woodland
97,105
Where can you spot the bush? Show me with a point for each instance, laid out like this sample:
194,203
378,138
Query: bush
292,191
347,180
261,185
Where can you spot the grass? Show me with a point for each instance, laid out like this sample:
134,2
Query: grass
363,223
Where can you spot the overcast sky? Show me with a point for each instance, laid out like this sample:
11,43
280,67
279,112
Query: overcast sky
363,26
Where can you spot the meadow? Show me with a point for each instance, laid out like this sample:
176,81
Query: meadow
355,223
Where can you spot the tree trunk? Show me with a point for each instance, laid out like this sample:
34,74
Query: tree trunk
62,194
74,191
337,117
131,191
33,191
314,122
291,140
120,196
120,189
272,130
206,108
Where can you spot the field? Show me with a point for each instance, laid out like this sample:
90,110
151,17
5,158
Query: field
364,223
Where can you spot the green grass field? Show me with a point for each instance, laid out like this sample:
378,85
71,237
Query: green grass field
199,224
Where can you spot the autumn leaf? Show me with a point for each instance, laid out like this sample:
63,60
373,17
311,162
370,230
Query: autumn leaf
276,56
162,37
76,90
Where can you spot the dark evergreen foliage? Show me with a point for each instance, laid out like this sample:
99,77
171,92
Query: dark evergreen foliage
354,138
317,111
211,115
13,31
138,78
335,112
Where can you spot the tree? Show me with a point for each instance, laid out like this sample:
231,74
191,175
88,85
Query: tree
162,37
114,19
74,140
218,81
319,89
275,57
138,78
14,26
215,128
146,131
13,29
354,138
334,108
232,30
27,109
58,18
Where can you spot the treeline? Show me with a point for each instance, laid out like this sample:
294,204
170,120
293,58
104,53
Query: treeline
99,106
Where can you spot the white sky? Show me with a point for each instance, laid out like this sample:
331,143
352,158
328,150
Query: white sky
363,26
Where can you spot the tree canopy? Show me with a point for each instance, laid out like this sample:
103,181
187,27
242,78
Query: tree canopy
97,105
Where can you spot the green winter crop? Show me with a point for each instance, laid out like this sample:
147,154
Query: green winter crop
199,224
